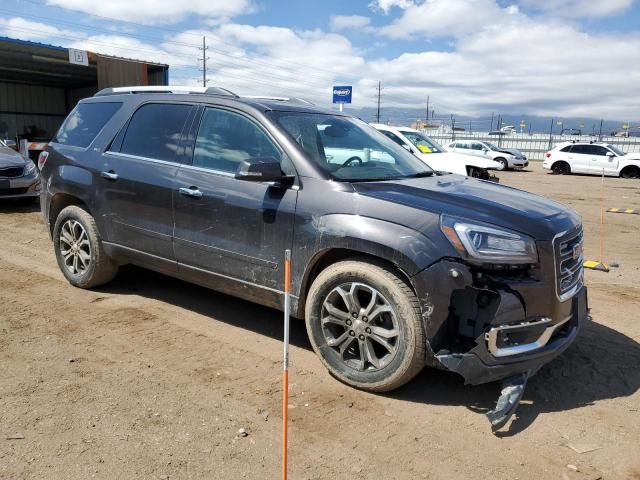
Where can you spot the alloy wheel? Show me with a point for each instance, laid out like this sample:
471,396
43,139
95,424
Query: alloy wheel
361,326
75,247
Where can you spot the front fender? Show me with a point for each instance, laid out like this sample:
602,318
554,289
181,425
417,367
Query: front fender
409,250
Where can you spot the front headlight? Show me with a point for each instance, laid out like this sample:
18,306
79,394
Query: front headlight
481,243
29,168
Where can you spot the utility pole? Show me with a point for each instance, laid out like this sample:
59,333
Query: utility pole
427,109
491,127
204,61
379,95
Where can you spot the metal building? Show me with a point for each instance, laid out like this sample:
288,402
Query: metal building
40,84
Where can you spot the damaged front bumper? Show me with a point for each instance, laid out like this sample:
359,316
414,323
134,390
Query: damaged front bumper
494,325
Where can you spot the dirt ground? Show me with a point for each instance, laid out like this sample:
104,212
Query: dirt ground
151,377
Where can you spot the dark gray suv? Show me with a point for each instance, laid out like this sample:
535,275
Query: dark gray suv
395,266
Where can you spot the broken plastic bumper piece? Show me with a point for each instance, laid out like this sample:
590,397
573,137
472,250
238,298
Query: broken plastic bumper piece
510,396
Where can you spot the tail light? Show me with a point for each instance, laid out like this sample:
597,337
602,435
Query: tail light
548,154
42,159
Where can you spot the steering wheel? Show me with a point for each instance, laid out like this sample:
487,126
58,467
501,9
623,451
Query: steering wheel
352,159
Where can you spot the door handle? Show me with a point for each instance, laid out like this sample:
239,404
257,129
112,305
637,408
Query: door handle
110,175
191,192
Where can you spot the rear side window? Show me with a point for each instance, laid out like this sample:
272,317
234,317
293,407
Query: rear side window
567,148
155,130
85,122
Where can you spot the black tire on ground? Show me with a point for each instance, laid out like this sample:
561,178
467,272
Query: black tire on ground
503,161
561,168
391,292
476,172
93,266
630,172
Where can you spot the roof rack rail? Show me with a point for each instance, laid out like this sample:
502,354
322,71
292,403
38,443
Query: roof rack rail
167,89
278,99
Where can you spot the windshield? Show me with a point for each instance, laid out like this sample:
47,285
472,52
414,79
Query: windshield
422,142
349,149
616,150
491,146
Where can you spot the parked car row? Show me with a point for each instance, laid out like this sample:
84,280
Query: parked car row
437,157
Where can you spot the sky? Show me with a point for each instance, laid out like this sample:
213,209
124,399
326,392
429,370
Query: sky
572,58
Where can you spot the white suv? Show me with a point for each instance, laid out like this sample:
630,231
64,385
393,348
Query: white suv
593,159
508,157
434,155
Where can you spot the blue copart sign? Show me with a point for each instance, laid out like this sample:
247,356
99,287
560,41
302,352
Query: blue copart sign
342,94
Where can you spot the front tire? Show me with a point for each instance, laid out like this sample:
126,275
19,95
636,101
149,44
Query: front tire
504,163
364,323
79,251
630,172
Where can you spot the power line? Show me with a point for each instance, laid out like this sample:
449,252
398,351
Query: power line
253,78
222,42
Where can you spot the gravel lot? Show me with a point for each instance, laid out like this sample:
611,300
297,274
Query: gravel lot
151,377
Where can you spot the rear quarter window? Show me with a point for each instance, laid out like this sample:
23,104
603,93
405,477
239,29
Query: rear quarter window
85,122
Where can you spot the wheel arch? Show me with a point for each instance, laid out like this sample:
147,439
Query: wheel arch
324,259
60,201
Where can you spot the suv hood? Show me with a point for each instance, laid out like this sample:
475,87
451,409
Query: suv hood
478,200
11,158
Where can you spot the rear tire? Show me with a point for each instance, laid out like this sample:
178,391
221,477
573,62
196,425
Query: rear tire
79,251
364,323
630,172
561,168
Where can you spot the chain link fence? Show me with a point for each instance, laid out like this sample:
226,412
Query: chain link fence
532,145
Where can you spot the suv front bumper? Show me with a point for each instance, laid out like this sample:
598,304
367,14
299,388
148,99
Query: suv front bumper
491,332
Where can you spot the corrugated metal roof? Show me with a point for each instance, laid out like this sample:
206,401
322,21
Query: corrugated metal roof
29,46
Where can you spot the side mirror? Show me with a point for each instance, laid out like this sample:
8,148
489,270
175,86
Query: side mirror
261,169
611,154
406,147
485,149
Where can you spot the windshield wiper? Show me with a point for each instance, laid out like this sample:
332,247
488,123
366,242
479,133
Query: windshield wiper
420,175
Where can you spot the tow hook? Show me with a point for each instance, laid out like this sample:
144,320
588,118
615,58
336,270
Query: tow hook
512,390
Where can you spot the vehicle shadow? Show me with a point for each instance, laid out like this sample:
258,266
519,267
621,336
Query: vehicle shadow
13,205
224,308
602,364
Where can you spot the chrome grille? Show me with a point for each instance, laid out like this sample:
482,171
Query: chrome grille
569,260
11,172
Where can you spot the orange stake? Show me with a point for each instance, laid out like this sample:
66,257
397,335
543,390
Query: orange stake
285,363
602,218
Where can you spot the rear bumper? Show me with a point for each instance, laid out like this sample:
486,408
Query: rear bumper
488,332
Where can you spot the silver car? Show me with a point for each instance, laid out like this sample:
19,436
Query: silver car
19,176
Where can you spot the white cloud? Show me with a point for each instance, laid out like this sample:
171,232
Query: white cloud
26,29
436,18
578,8
387,5
157,11
505,61
347,22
